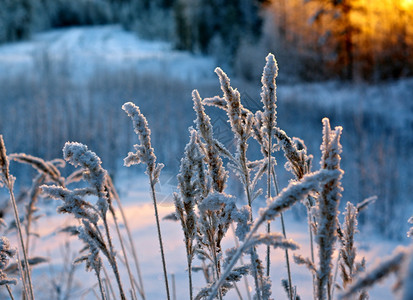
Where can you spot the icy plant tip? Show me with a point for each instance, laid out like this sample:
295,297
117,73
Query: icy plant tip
144,151
268,96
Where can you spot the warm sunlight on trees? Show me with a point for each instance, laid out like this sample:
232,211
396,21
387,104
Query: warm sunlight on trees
407,4
354,39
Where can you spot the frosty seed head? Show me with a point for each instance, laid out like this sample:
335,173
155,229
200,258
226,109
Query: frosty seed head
144,152
187,172
268,94
234,106
215,166
298,162
203,122
78,155
331,147
190,190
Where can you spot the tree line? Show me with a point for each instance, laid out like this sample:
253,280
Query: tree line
321,39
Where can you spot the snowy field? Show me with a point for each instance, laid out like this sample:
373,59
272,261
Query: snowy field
78,53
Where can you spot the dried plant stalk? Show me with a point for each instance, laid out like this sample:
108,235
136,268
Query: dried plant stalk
145,154
328,202
8,180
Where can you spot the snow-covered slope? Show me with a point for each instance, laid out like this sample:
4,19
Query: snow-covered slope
80,51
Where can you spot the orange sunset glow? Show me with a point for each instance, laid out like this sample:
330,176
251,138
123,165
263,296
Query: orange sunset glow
407,3
361,31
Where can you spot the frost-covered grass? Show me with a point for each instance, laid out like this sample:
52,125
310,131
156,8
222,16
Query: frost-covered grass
227,237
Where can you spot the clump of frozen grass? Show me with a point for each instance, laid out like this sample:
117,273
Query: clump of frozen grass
204,227
145,154
262,126
295,192
216,210
324,212
241,121
87,213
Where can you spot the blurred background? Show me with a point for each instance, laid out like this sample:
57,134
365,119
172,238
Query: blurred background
67,66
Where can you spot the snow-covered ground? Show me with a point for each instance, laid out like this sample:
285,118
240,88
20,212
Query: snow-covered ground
80,51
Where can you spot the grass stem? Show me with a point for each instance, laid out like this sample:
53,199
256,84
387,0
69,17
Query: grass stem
165,274
122,245
112,258
9,291
140,287
287,258
269,168
102,291
23,248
